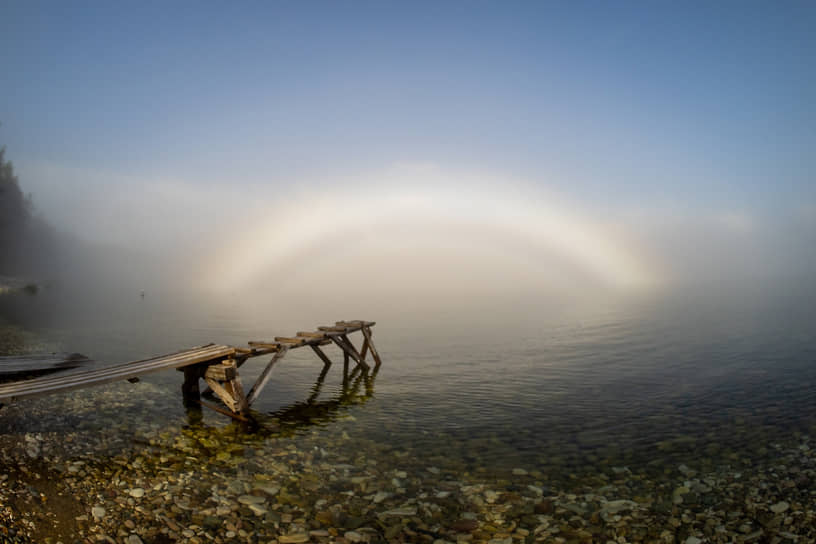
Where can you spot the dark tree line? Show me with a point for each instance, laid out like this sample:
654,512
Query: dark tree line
26,241
15,215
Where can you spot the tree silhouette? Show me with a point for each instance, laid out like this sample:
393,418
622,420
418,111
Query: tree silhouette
15,216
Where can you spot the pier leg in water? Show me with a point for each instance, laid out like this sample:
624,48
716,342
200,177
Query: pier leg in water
189,389
195,415
369,343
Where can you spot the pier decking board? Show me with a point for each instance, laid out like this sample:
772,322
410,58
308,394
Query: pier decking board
53,384
216,364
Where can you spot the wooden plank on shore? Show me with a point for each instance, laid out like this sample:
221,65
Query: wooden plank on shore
123,371
176,360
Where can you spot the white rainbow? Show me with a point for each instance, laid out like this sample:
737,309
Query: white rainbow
289,229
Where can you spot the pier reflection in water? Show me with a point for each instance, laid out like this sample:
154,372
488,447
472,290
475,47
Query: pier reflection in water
357,388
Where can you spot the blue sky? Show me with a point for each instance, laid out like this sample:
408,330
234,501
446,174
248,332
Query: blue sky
707,107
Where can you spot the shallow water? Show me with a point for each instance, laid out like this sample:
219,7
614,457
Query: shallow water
501,384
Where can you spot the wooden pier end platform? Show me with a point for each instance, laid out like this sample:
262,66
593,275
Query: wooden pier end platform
216,364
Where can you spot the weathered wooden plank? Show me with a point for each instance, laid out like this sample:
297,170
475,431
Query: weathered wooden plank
237,388
338,329
311,334
355,323
290,340
265,375
225,396
263,344
222,372
122,371
175,360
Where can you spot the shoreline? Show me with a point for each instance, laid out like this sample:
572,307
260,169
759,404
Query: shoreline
100,465
173,482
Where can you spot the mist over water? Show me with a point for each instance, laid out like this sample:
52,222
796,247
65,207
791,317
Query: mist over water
415,232
520,378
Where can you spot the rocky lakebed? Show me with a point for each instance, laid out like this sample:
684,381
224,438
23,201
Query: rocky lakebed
133,478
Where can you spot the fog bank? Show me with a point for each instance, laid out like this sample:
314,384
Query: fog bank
412,231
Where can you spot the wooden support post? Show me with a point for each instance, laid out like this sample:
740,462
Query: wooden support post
265,375
192,408
360,357
364,351
326,361
367,333
189,389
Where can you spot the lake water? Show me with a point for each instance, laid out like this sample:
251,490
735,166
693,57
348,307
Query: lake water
670,418
495,383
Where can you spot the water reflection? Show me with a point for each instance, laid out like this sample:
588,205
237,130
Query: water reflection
357,387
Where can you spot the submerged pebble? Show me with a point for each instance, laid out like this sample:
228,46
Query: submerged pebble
151,482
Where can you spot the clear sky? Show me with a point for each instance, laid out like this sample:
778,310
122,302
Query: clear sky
687,109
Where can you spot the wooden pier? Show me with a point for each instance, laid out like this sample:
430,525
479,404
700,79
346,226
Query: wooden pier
216,364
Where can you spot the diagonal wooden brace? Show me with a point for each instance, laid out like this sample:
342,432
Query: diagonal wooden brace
222,394
266,374
348,348
320,353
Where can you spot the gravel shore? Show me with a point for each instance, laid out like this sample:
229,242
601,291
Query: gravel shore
156,482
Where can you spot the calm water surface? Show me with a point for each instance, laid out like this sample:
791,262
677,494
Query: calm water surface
503,384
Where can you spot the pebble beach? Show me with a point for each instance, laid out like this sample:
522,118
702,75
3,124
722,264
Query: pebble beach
147,481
